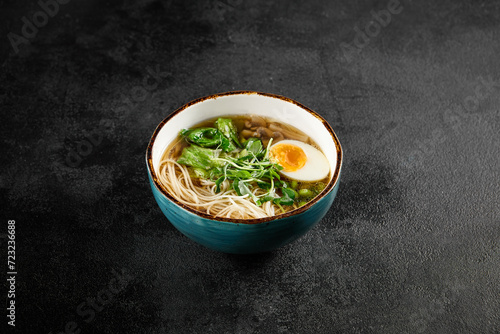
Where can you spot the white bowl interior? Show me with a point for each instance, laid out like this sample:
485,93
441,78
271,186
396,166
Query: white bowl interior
245,103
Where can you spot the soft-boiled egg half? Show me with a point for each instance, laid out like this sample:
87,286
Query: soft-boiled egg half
300,161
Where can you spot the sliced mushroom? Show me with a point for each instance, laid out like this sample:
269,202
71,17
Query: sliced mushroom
264,132
277,136
288,133
255,122
175,151
249,133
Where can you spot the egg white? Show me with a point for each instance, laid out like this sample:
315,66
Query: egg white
316,167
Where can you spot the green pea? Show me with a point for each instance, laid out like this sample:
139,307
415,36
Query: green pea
294,184
305,193
301,203
295,193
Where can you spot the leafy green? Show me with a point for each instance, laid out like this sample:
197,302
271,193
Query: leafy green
253,145
240,174
240,187
267,197
218,183
263,185
226,144
243,155
288,192
287,198
204,137
209,138
200,173
228,129
199,157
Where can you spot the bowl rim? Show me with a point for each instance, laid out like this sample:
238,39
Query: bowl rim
331,185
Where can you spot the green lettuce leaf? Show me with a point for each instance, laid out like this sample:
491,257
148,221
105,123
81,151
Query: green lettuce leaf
200,157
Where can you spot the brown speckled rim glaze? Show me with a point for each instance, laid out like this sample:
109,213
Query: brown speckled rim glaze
328,188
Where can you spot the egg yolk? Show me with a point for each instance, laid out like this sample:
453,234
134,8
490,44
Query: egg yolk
289,156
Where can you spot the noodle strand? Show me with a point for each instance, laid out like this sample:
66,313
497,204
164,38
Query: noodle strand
227,203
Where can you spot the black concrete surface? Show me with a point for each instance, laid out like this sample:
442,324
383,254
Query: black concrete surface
411,244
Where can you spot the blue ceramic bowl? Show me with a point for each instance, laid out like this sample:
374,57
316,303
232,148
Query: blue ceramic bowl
241,236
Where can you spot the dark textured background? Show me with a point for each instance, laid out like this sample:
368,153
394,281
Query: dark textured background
411,244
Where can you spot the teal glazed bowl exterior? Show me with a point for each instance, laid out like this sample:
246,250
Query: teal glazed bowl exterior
239,236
